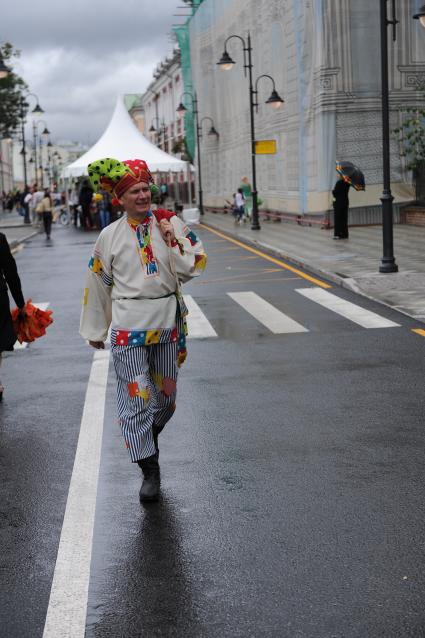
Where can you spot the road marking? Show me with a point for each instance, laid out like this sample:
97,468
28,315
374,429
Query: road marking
66,613
198,325
280,263
21,346
351,311
265,313
419,331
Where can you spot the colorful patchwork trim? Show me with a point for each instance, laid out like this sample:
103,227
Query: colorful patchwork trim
143,234
192,238
200,261
142,337
96,266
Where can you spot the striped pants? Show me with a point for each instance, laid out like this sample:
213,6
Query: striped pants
146,393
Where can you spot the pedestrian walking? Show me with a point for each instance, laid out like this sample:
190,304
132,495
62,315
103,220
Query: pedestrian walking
85,201
73,205
247,193
104,205
45,208
133,287
340,205
24,201
9,279
239,204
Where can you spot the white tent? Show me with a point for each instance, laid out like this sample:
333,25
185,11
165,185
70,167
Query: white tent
122,140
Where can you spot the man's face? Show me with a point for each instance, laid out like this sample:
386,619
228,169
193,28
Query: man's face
137,199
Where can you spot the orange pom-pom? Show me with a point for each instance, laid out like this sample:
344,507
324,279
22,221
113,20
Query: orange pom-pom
31,323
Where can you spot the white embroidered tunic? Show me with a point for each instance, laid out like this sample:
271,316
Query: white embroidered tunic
130,284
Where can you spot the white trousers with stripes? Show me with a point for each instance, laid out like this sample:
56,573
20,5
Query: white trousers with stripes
146,393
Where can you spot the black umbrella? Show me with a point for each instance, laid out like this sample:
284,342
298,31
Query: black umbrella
352,175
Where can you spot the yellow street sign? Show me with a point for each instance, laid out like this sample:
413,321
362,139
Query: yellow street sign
265,147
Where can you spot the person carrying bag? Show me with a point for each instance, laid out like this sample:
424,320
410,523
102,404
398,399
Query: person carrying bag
45,208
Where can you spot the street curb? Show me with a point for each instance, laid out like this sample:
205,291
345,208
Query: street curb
348,283
15,242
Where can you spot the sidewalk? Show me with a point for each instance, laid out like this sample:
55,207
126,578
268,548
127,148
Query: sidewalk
12,225
353,263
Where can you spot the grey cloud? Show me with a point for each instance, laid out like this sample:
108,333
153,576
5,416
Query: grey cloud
77,57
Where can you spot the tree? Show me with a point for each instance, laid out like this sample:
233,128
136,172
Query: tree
12,90
411,135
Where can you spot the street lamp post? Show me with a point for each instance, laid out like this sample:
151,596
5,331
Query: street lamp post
44,134
226,63
159,130
23,104
22,113
388,263
198,125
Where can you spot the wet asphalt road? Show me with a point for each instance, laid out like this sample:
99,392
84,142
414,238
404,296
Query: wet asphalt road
293,474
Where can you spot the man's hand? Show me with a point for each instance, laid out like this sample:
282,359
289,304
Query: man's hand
167,230
99,345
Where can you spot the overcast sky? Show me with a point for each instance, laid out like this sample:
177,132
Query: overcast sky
78,55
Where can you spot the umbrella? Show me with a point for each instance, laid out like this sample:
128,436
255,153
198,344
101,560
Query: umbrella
351,174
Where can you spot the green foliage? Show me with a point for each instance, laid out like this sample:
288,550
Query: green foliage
411,135
180,146
12,88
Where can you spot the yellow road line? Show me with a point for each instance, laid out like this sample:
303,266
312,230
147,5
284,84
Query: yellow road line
280,263
419,331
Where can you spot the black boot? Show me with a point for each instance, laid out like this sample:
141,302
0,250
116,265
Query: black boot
155,432
151,481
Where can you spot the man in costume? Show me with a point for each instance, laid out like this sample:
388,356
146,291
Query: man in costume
133,287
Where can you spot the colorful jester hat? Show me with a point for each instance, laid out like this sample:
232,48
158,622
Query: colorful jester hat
116,177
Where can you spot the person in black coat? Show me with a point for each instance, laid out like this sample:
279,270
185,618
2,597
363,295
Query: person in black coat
9,279
341,203
84,200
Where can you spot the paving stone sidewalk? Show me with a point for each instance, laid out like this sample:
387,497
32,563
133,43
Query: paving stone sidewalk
352,263
12,225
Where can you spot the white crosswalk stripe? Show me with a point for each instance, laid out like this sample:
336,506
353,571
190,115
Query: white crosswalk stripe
275,320
198,325
351,311
42,306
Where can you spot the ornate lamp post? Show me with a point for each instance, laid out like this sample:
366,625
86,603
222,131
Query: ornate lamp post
198,124
37,110
226,63
160,130
388,263
44,134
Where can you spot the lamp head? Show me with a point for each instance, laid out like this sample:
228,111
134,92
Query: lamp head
275,100
152,129
212,131
226,63
37,110
420,15
181,109
46,132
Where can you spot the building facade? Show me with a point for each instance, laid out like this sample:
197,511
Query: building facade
6,165
324,56
164,127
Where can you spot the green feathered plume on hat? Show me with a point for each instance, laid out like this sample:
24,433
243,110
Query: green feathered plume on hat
105,173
